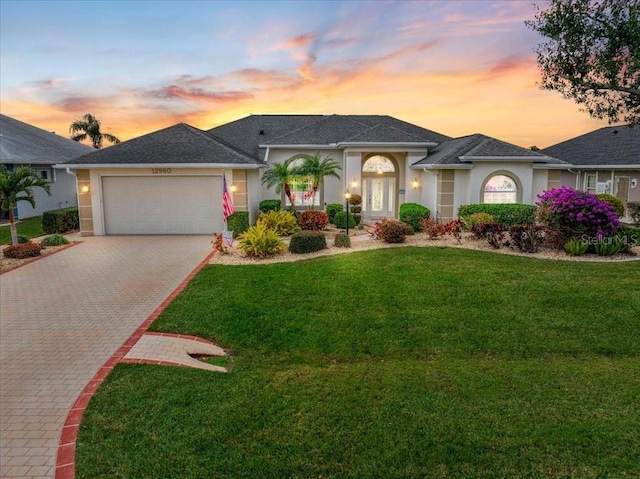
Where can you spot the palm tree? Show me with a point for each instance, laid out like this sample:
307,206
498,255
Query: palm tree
317,169
16,185
89,127
281,175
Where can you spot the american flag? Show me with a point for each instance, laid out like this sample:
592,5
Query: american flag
227,200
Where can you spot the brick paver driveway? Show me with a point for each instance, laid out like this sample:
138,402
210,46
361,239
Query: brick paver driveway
61,318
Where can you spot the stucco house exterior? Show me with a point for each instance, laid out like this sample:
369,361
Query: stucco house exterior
24,144
606,160
170,181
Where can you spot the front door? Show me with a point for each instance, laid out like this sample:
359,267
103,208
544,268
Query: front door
378,197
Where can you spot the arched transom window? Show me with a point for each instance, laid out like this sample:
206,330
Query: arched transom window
501,189
378,164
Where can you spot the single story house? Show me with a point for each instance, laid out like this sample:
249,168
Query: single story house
22,144
170,181
606,160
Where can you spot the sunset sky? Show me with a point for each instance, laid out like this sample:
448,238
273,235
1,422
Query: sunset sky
456,67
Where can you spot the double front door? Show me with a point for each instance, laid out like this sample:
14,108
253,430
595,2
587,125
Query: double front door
378,197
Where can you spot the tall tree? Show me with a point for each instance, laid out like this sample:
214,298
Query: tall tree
17,185
592,55
280,176
89,127
317,169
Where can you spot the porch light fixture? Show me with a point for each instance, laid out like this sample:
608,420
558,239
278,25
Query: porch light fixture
233,188
415,183
379,171
347,195
354,183
84,189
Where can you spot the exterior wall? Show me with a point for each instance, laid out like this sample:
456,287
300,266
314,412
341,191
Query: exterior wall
90,203
63,187
607,175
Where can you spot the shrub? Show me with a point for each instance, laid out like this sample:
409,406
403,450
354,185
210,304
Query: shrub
432,228
355,200
392,231
54,240
494,232
270,205
219,244
307,241
526,237
482,229
616,203
282,222
22,239
313,220
507,214
23,250
332,209
567,213
607,246
634,210
260,242
340,220
413,214
477,218
356,218
629,236
576,246
454,228
60,221
342,240
238,223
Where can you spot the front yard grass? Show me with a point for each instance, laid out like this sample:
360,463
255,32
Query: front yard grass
29,227
395,363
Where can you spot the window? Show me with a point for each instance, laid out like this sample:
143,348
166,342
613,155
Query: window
302,189
44,174
378,164
590,180
501,189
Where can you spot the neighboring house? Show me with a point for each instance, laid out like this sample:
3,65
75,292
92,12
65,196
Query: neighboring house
24,144
170,181
603,161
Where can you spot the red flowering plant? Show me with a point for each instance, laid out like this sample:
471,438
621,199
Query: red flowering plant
567,213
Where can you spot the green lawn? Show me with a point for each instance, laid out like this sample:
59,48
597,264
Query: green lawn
29,227
396,363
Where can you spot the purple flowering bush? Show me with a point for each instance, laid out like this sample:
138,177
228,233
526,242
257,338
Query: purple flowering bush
567,213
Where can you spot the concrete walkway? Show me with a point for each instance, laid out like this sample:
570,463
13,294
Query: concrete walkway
61,318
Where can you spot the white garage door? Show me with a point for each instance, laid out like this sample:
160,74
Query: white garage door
162,205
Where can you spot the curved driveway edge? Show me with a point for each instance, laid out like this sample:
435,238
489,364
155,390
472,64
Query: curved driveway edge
62,318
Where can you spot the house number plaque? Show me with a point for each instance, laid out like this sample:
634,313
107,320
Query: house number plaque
160,171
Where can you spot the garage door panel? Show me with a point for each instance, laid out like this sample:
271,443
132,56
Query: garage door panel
162,205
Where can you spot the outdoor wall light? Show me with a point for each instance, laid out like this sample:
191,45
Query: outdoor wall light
233,188
415,183
84,189
354,183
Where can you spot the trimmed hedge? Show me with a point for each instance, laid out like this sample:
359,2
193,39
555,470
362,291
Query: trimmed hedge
332,209
508,214
60,221
413,214
270,205
618,205
238,222
307,241
340,220
22,250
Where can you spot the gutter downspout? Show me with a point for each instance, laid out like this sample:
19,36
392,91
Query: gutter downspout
435,175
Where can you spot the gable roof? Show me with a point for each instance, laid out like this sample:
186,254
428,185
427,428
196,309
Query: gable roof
21,143
179,144
478,147
247,134
608,146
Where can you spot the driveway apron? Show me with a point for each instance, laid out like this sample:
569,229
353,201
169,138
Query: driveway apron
61,319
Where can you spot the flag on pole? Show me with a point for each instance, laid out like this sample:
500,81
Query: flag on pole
227,200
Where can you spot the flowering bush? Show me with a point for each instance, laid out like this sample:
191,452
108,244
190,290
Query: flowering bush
567,213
